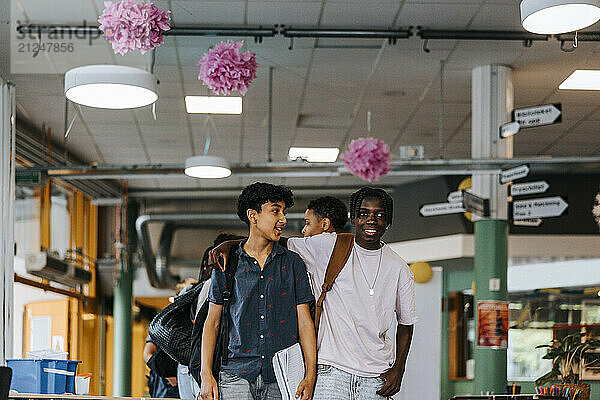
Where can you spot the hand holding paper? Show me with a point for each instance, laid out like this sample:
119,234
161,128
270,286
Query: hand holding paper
288,365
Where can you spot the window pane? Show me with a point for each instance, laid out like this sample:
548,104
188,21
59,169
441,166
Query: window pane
59,223
27,221
524,360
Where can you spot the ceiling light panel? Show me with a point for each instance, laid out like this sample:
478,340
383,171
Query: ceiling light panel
314,154
213,105
582,79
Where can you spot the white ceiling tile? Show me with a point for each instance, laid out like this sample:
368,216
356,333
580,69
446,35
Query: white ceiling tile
288,13
495,13
207,12
437,15
350,14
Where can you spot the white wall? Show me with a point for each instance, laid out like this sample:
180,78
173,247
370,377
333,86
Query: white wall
24,295
422,376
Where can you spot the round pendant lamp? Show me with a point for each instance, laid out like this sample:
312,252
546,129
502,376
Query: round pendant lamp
210,167
110,86
551,17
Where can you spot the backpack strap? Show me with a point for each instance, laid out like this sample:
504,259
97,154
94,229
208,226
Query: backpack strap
339,257
232,264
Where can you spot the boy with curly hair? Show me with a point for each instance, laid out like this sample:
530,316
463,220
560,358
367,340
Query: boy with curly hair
269,307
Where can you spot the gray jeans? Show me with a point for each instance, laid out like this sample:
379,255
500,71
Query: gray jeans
233,387
335,384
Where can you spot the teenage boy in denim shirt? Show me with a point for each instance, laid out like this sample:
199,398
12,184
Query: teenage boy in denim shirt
269,307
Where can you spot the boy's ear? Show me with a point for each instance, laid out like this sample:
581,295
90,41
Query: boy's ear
251,214
352,222
325,224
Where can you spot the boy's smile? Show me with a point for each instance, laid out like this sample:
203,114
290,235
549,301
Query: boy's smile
370,223
271,220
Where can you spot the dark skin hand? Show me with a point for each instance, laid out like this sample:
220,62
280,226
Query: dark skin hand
220,253
393,377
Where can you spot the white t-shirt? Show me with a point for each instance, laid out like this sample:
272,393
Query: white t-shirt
357,331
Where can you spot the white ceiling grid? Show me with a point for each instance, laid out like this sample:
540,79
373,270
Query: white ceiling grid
322,89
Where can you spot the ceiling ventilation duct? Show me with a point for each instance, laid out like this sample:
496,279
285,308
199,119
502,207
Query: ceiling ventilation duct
158,266
56,270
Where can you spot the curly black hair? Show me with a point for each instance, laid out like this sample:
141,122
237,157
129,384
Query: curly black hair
332,208
259,193
370,192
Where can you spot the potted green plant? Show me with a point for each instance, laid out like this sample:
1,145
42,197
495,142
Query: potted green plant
567,355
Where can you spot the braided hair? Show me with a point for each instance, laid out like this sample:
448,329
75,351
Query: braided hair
370,192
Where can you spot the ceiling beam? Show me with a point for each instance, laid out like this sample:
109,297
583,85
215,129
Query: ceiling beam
434,167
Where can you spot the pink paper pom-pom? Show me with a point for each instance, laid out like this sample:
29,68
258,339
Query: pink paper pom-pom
131,25
369,158
224,69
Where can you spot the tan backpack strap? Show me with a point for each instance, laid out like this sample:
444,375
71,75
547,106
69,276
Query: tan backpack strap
339,257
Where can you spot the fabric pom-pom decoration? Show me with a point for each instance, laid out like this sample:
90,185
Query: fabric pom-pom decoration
369,158
224,69
129,25
596,210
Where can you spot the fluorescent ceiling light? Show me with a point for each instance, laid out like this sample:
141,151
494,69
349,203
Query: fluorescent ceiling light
210,167
110,86
582,79
558,16
314,154
213,105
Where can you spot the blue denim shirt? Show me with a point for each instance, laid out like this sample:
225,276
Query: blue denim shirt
263,310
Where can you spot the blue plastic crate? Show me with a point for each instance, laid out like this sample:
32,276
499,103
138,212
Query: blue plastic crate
43,376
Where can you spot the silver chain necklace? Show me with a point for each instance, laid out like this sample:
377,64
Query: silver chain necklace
371,287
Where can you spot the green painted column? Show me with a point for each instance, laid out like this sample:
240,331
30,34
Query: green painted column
122,304
492,100
491,261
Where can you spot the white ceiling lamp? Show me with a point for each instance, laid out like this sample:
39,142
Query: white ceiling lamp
552,17
209,167
110,86
582,79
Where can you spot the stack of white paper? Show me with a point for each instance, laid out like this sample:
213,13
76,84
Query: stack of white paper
288,365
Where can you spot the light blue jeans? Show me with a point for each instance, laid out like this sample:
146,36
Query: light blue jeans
188,388
233,387
335,384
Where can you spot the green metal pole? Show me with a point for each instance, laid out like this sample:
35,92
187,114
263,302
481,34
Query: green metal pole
491,261
123,321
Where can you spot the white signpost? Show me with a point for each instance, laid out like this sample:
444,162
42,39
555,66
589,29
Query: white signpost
455,197
539,208
530,117
511,174
476,204
520,189
528,222
430,210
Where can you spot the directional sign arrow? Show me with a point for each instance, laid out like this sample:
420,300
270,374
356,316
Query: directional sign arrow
519,189
528,222
539,208
476,204
430,210
530,117
512,174
455,197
